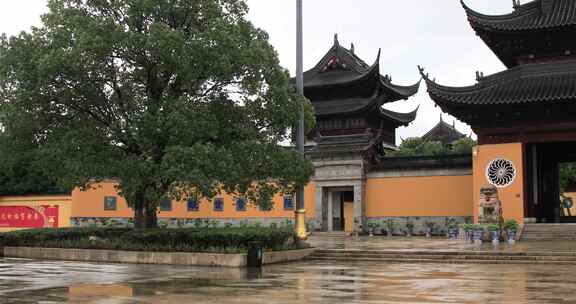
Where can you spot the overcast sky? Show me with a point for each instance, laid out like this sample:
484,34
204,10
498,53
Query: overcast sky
431,33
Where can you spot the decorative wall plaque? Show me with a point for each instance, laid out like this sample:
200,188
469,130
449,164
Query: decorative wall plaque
501,172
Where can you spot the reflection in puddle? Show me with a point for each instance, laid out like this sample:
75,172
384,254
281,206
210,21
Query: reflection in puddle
305,282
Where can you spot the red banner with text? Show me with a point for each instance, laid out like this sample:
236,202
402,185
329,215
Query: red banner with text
28,216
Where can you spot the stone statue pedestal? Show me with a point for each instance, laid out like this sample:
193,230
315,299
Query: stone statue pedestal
490,210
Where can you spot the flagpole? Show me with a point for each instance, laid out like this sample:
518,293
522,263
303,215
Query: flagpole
300,211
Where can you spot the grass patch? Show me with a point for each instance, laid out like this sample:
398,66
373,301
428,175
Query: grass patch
215,240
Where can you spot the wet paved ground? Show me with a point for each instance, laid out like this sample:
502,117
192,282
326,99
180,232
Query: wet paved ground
25,281
29,281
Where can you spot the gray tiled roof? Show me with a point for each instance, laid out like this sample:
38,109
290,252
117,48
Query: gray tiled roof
401,118
552,82
443,132
343,144
348,70
535,15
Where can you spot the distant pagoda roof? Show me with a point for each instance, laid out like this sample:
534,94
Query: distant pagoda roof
534,15
341,84
443,132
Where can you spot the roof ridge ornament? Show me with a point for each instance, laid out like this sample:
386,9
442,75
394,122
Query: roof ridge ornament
426,76
516,4
352,48
479,76
336,42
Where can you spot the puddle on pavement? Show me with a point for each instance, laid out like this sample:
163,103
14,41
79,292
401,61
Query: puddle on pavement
27,281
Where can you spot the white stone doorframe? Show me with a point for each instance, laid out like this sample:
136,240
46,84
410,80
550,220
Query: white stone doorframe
324,201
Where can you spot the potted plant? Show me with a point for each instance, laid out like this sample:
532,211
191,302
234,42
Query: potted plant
452,230
372,226
429,229
390,225
494,233
478,233
468,228
511,228
409,228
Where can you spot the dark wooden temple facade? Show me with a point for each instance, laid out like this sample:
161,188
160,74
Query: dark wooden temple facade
526,113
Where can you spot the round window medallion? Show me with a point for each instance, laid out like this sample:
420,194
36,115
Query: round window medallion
501,172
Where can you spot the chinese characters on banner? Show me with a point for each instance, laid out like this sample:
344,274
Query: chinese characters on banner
28,217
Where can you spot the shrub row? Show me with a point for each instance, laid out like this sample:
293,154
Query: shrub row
169,240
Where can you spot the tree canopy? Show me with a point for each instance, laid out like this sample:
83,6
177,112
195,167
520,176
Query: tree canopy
416,146
19,172
172,98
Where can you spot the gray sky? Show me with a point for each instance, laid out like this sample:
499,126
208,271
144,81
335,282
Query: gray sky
431,33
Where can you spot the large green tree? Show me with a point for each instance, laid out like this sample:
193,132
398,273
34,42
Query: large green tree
173,98
20,173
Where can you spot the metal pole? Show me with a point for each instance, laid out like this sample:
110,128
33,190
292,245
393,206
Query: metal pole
300,211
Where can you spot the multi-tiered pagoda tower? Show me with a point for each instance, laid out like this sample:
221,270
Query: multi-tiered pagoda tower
525,117
347,95
353,130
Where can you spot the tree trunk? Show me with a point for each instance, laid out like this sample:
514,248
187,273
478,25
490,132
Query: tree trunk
151,217
139,218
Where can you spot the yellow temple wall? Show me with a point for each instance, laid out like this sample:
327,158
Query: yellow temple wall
422,196
512,196
90,204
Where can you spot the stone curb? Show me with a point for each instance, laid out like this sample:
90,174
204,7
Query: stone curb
160,258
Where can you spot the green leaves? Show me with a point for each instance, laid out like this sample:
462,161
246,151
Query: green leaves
416,146
567,175
162,95
230,239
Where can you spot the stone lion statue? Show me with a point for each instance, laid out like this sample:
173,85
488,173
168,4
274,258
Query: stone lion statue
490,207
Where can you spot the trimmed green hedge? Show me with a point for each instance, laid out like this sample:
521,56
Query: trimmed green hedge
164,240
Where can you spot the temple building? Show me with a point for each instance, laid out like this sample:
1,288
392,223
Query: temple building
353,131
347,95
523,116
444,133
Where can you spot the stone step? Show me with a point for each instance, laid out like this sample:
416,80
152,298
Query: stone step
447,257
552,234
550,229
546,238
568,236
446,253
549,232
548,235
448,261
